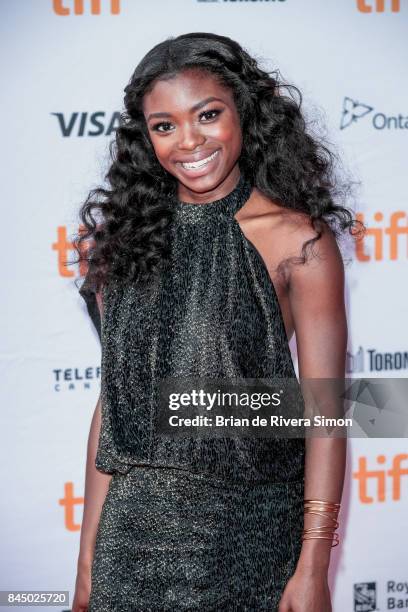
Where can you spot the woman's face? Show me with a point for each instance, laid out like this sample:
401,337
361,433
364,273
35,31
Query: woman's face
195,130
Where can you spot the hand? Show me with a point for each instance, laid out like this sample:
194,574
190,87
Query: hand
306,591
82,591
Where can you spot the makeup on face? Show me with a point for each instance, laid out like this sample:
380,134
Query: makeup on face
195,131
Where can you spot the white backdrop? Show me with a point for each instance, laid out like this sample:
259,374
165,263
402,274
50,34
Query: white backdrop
57,70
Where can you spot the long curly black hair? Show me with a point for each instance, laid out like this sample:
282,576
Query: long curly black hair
279,156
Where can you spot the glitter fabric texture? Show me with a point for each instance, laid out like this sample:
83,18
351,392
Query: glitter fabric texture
194,523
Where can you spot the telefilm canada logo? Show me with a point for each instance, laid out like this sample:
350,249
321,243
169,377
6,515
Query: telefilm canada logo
355,111
365,596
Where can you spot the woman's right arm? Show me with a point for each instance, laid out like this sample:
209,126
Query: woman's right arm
96,488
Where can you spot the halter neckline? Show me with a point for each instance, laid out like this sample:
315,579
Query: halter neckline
224,207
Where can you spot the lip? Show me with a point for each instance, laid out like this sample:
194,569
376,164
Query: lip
205,169
188,159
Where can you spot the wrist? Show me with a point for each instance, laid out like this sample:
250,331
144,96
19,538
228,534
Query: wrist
315,555
84,563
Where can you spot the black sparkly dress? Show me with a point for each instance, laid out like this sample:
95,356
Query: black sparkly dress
190,524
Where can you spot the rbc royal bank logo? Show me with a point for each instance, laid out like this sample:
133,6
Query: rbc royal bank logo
365,597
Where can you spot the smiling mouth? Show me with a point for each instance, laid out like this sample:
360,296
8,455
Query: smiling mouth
199,164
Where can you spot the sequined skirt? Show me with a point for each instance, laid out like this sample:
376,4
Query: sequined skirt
172,540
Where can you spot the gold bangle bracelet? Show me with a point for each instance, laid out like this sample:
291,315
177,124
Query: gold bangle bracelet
325,531
335,538
320,502
307,535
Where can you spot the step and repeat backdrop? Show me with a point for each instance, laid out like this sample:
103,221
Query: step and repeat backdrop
64,66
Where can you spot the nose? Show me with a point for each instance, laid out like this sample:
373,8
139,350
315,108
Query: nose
190,137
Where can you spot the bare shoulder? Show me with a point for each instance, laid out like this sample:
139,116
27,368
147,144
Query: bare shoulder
280,232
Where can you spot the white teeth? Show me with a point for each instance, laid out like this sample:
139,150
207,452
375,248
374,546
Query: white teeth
199,164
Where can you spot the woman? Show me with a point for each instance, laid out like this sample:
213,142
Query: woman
202,266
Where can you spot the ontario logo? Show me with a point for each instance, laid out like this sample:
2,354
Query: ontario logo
354,111
365,597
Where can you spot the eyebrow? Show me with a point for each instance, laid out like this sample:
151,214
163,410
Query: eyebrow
192,109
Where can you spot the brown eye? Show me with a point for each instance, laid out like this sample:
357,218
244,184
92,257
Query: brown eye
211,114
158,125
166,126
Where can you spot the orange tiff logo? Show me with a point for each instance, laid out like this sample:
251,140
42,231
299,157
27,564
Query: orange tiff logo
68,502
382,241
379,479
62,246
366,6
78,5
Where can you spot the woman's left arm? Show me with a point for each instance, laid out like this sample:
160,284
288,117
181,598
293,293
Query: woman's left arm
316,295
